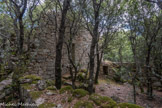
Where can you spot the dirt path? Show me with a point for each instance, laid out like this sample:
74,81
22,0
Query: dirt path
123,93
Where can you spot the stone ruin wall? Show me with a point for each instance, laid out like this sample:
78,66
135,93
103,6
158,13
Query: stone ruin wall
44,50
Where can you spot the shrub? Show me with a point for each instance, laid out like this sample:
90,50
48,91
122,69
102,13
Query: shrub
80,93
66,89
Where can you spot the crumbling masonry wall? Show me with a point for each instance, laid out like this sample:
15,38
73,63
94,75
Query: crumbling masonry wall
44,50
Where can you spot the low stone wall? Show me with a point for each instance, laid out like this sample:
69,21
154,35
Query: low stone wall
26,99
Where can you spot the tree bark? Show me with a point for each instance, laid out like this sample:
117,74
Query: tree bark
92,64
96,7
99,58
59,45
21,36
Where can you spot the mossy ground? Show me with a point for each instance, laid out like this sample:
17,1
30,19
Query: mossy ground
102,101
51,88
127,105
66,89
26,86
79,93
83,104
35,94
47,105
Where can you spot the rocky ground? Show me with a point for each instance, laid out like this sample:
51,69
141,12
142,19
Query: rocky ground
45,95
124,93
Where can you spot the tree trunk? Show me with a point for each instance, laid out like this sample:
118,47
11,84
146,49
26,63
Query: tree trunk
92,64
134,92
59,45
21,36
98,65
148,73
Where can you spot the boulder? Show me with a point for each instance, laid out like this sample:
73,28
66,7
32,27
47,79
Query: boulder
50,93
39,101
41,84
102,89
22,81
2,95
59,106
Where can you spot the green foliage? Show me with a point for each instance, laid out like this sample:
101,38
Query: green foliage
46,105
83,104
119,48
66,89
35,94
127,105
103,101
79,93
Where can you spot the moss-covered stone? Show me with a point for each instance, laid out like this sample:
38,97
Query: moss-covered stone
81,76
127,105
33,77
80,93
107,102
83,104
50,82
26,86
103,101
35,94
66,77
51,88
46,105
34,82
66,89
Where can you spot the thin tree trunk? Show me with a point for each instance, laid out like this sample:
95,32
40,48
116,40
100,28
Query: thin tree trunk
149,80
60,44
98,64
21,36
134,93
92,64
96,7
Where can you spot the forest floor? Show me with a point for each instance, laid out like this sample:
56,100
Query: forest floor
124,93
118,92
